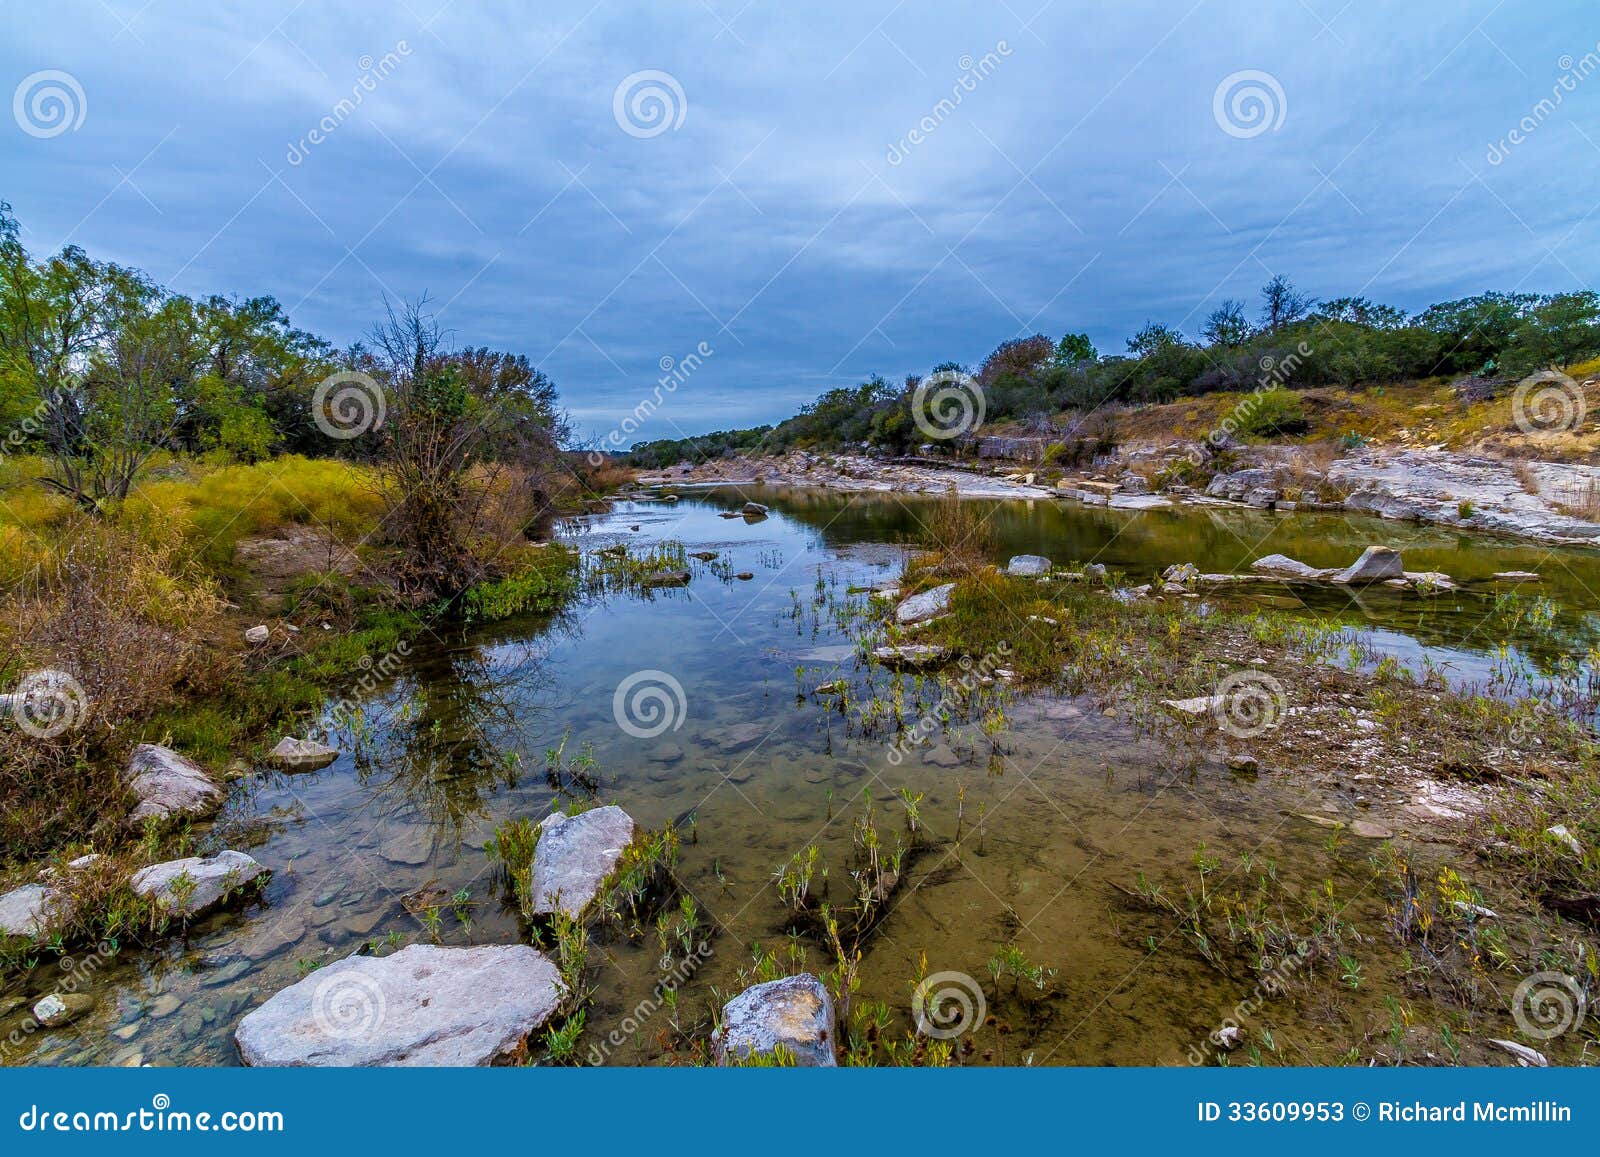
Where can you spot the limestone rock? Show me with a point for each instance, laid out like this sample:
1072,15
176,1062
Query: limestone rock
257,635
61,1008
195,885
25,911
919,608
795,1012
169,786
293,754
1282,566
575,855
1028,566
425,1005
1375,564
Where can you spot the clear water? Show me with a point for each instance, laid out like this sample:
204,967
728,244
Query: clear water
1076,807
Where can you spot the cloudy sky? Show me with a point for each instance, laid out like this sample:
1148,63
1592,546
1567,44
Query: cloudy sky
816,191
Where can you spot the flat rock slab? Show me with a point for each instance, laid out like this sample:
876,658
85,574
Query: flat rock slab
425,1005
795,1012
193,886
916,655
169,785
293,754
1375,564
1028,566
1282,566
925,606
574,856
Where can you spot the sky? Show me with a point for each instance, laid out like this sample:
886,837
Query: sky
803,194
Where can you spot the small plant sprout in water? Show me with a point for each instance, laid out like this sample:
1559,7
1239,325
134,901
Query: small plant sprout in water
794,878
913,804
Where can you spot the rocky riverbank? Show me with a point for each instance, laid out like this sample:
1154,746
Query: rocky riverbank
1552,502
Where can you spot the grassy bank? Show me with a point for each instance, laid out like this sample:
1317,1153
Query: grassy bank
145,605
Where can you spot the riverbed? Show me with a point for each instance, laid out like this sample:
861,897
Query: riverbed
1030,844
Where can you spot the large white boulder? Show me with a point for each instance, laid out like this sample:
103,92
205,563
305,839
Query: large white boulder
574,856
194,885
168,785
425,1005
1028,566
795,1012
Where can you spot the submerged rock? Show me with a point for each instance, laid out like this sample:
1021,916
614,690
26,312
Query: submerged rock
919,608
61,1008
301,754
1375,564
194,886
424,1005
667,578
574,857
913,655
1028,566
795,1013
169,786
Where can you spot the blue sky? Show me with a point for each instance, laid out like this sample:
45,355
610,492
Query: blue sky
1090,177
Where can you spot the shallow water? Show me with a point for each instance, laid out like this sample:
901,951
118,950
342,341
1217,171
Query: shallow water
1073,808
